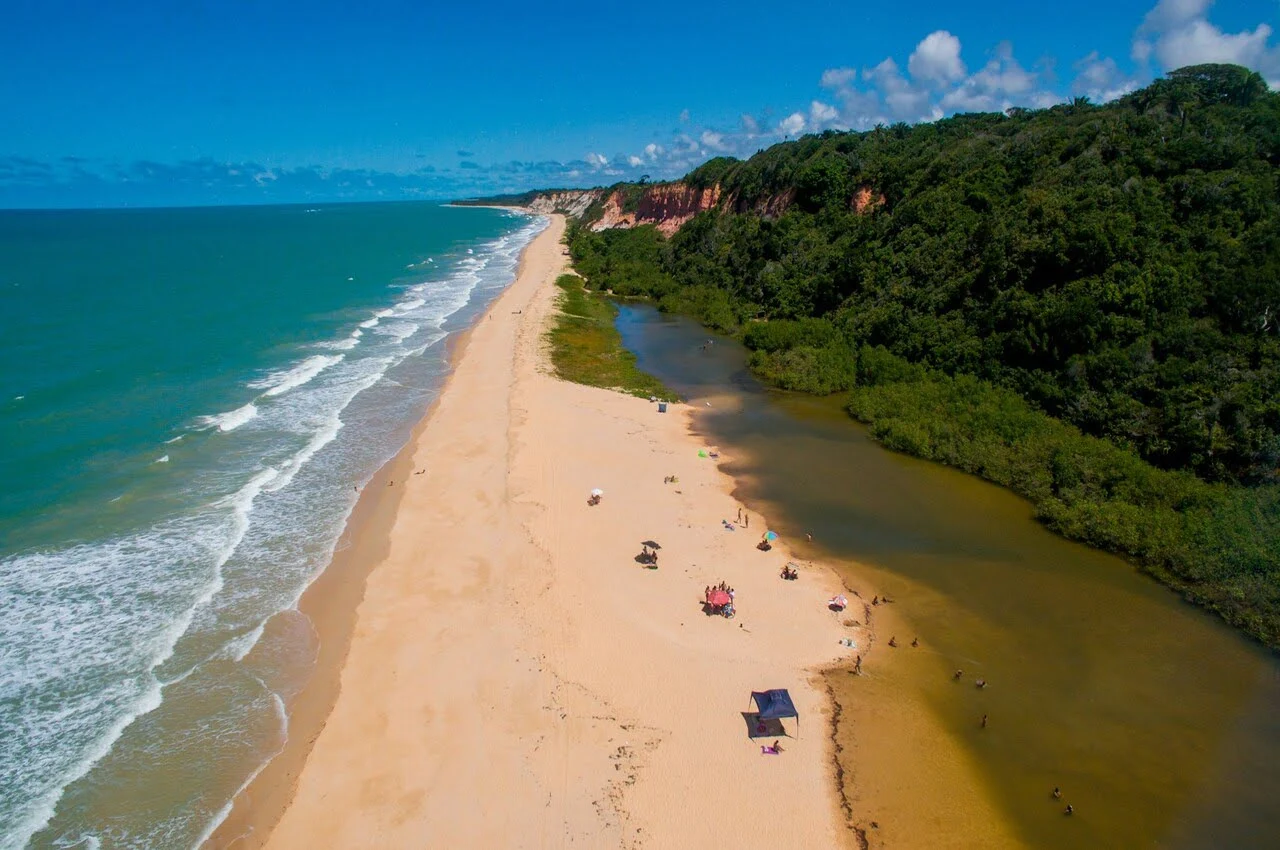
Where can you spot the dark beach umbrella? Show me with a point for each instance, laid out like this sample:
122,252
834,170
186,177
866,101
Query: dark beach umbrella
651,544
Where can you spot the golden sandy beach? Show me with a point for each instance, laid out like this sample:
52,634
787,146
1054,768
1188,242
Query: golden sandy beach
516,679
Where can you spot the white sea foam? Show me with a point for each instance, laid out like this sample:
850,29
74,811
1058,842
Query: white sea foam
228,421
124,608
278,383
175,439
161,459
344,344
114,608
398,331
282,714
370,323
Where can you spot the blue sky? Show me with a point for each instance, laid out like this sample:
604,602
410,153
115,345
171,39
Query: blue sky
147,103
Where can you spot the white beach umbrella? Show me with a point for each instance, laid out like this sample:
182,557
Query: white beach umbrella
597,492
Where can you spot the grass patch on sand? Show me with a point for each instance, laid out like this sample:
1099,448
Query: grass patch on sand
586,348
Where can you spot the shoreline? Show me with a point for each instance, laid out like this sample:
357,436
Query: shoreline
330,604
560,684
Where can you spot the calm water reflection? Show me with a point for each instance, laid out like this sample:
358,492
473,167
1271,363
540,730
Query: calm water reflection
1164,724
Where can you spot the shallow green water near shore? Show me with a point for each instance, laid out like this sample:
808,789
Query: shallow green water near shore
1160,723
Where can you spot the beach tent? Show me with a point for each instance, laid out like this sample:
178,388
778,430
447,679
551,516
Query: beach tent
775,705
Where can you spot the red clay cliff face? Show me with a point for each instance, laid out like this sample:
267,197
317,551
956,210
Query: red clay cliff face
864,200
668,206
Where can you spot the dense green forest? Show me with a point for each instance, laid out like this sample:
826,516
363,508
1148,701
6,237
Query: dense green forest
1081,303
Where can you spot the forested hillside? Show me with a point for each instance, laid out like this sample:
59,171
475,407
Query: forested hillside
1081,303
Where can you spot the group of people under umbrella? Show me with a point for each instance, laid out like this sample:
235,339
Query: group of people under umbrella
718,600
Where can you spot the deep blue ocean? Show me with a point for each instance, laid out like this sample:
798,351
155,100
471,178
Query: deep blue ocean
188,399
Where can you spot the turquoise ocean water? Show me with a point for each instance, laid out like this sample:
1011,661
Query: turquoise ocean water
187,400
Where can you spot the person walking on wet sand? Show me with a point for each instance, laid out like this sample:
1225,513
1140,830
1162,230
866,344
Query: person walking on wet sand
984,721
857,666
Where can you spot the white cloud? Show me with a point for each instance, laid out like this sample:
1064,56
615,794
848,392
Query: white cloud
937,59
1100,79
904,101
635,161
1178,33
653,151
822,114
1169,14
792,125
1001,83
713,140
596,160
1200,41
838,78
750,125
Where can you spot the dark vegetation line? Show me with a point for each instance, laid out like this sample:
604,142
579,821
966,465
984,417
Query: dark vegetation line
586,347
1080,303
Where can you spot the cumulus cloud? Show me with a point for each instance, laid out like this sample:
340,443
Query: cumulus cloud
792,125
713,141
1177,33
822,114
937,59
1001,83
838,78
1100,79
597,160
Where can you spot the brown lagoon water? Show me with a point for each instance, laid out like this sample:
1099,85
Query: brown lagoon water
1161,725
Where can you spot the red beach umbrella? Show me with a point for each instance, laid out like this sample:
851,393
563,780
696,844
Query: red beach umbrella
719,597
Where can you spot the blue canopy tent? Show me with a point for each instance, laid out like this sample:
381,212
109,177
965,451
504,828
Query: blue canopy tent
775,705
